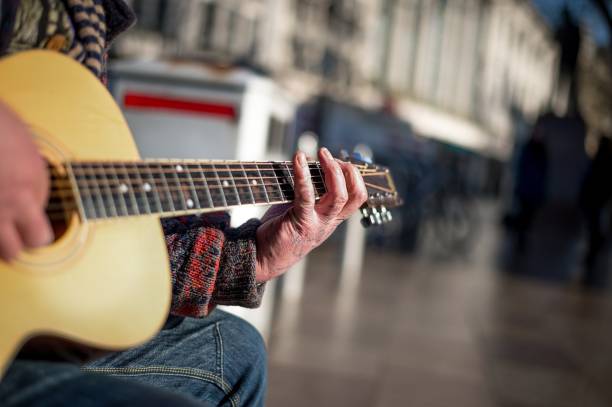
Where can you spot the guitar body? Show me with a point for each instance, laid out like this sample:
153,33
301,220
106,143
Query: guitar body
104,284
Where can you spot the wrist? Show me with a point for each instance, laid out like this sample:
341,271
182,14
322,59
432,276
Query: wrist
261,264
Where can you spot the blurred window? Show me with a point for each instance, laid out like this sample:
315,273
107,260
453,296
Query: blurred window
413,41
277,135
307,11
301,10
330,64
208,26
234,35
228,31
299,54
385,32
342,18
437,32
150,14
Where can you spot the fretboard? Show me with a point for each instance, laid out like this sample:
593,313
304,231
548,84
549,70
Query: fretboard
118,189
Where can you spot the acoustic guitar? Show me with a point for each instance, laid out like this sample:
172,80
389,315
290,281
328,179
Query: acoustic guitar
104,282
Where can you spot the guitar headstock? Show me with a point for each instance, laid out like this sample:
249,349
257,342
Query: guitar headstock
382,194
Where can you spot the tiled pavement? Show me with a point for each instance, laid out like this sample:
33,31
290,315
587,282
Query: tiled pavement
426,333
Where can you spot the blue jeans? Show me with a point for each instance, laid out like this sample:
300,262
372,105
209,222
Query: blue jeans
219,360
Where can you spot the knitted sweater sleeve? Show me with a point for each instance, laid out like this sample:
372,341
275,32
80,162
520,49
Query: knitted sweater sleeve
211,264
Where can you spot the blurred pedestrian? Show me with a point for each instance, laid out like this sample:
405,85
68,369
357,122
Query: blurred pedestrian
530,187
596,202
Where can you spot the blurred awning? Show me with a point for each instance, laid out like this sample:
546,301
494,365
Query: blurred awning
430,122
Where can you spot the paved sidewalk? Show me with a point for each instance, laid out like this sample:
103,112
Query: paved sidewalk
427,333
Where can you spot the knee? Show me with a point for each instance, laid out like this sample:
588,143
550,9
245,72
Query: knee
244,358
242,339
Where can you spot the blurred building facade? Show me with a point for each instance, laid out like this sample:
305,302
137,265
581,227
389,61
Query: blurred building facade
455,70
462,67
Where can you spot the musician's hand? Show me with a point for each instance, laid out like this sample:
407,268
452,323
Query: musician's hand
23,189
284,238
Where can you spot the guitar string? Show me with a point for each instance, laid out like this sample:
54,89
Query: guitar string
67,212
204,164
142,198
111,187
90,192
157,181
62,208
213,179
65,187
159,189
239,191
172,169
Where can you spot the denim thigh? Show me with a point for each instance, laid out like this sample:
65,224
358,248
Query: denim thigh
31,383
220,359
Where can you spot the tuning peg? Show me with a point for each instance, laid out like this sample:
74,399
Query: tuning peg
385,214
365,222
366,218
371,215
377,216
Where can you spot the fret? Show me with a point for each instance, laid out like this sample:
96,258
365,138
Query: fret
290,173
161,182
105,187
169,172
74,187
273,189
318,179
262,185
201,187
255,183
187,189
118,198
284,174
87,201
227,184
241,180
216,190
192,189
150,187
126,189
137,188
94,190
232,181
196,187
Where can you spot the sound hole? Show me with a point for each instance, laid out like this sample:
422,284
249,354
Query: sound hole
61,206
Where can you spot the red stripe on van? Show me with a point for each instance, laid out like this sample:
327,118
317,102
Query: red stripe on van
142,101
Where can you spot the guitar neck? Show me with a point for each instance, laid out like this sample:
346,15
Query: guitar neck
118,189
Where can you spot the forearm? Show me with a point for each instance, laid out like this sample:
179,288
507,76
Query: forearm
237,282
211,264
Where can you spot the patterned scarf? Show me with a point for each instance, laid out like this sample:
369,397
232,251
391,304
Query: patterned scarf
77,28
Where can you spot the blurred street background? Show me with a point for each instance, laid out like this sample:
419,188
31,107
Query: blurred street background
491,285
